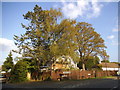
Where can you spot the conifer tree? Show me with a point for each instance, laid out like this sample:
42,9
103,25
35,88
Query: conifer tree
8,64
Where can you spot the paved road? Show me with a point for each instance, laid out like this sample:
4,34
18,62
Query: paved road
91,83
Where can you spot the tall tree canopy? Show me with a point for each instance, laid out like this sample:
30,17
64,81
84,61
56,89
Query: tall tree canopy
88,42
39,34
47,36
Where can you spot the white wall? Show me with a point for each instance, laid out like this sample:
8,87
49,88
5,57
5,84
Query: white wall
111,69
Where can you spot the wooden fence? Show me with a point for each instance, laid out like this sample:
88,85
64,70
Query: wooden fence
77,74
72,74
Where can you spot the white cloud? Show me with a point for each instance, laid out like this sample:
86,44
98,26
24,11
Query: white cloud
95,9
113,40
82,8
6,44
111,37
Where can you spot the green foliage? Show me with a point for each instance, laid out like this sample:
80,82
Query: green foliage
88,42
107,61
8,64
31,64
91,63
19,72
45,38
39,35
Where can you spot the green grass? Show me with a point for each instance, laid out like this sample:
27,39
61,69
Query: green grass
103,77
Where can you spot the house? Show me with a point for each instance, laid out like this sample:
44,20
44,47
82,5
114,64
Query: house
110,66
64,62
0,68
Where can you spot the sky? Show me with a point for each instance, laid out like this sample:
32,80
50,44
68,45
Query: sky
102,15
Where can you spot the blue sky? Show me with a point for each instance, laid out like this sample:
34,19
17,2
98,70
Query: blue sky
103,16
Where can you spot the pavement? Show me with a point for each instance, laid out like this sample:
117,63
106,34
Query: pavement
111,83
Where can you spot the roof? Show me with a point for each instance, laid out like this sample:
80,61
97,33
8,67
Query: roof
109,65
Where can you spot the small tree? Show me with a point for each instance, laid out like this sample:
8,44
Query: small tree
8,64
91,63
19,72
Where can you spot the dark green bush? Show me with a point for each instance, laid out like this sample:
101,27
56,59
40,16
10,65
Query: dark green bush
19,72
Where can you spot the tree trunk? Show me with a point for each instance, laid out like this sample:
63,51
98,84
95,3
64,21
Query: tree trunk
83,66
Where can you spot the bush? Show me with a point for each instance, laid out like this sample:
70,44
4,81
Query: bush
19,72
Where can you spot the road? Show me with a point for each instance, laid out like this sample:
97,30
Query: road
90,83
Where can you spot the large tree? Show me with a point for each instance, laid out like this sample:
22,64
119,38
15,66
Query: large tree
48,37
63,44
88,42
8,63
38,36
